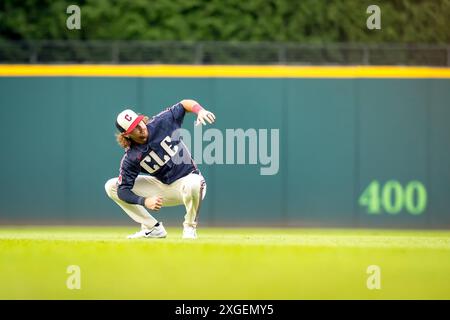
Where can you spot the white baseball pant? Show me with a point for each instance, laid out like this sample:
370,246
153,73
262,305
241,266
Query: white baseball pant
189,190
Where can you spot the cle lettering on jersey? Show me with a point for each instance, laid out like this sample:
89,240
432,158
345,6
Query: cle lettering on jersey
152,162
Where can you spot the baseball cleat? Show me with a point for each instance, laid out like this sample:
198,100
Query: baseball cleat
155,232
189,233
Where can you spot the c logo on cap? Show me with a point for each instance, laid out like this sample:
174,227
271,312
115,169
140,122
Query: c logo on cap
127,117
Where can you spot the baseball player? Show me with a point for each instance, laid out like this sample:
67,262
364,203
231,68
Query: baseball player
149,176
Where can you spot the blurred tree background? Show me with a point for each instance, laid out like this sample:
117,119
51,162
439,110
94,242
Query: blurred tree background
300,21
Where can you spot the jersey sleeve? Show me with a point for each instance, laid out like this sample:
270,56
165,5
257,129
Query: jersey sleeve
174,114
129,170
178,113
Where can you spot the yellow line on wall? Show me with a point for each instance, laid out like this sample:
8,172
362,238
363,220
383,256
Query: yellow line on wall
220,71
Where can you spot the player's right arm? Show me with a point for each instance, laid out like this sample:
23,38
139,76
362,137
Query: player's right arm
203,115
129,170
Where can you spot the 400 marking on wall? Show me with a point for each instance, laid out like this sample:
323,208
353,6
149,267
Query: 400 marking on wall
392,197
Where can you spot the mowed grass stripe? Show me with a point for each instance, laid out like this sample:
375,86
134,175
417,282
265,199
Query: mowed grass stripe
224,264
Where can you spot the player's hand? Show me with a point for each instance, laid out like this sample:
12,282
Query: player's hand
205,116
153,203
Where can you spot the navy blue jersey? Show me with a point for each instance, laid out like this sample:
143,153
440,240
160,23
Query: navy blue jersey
155,156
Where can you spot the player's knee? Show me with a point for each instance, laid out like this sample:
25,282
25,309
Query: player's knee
110,187
195,187
191,188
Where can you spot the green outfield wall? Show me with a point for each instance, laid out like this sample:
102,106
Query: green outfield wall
354,152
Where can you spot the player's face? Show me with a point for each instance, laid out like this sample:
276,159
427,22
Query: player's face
140,133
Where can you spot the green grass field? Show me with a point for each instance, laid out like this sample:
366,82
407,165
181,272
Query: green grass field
224,264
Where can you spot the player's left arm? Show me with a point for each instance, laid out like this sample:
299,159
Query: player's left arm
203,115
